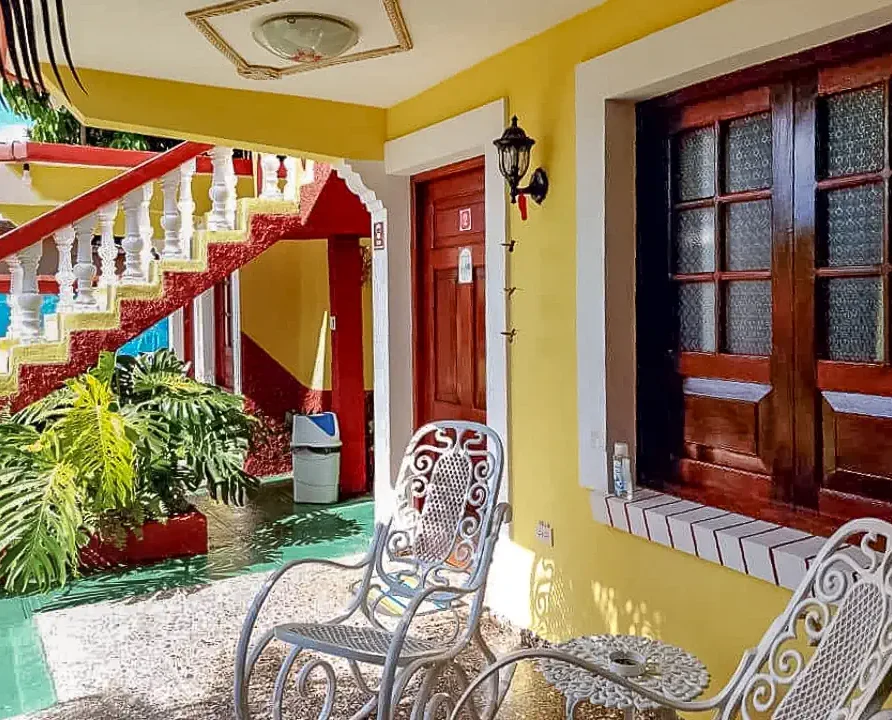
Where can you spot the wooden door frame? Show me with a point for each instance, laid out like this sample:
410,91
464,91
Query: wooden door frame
439,173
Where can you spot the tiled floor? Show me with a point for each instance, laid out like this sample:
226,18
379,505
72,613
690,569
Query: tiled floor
269,531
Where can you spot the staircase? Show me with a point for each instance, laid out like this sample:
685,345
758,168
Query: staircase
109,297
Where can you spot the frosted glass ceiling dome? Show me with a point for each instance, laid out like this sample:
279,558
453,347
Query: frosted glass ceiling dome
306,37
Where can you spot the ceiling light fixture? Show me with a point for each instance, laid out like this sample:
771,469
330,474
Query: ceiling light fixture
306,37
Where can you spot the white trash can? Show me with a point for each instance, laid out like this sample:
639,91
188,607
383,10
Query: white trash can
316,458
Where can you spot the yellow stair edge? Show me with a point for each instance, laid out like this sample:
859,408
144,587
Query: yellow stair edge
58,351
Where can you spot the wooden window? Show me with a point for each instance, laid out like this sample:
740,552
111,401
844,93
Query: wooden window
765,371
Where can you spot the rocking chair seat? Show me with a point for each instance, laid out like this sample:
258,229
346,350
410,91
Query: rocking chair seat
362,644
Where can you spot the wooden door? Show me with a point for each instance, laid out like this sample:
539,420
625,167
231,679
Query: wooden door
450,290
223,339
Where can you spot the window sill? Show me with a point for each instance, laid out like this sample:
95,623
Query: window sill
768,551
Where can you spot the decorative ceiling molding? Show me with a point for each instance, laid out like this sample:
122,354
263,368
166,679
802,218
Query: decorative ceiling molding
201,19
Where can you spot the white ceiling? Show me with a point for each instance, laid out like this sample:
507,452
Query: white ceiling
154,38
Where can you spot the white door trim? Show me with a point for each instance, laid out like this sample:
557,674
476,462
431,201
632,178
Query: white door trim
385,190
733,36
462,137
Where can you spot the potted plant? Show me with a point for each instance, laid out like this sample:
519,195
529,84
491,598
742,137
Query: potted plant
100,471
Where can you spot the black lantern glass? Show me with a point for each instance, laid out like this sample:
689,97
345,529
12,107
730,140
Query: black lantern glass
514,162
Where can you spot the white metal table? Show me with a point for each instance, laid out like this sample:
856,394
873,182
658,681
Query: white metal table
653,664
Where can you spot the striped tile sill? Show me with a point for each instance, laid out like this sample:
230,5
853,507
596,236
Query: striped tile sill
770,552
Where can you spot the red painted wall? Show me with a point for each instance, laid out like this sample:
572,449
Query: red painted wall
348,389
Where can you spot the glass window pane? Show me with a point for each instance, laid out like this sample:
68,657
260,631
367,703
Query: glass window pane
696,316
748,235
854,141
695,164
748,153
854,226
853,317
695,241
748,317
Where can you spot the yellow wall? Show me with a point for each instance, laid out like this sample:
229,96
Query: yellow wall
253,120
285,309
594,579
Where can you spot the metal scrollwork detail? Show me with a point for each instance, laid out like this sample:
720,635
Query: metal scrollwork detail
444,497
836,634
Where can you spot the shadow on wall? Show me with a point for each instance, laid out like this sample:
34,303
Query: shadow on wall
554,619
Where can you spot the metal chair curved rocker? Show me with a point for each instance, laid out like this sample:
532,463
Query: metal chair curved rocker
437,547
826,657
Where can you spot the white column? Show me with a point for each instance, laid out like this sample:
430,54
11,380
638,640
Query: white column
108,251
269,166
14,263
308,177
186,206
220,188
133,242
235,286
30,300
145,227
170,220
203,341
84,270
64,239
293,174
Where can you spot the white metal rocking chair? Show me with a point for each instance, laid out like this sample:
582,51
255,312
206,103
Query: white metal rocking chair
437,547
826,657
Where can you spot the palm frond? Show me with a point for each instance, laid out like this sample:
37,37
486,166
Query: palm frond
20,31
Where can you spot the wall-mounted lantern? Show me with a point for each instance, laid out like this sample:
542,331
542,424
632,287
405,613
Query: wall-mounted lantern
514,161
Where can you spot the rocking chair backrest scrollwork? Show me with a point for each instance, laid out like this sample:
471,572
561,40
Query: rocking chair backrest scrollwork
445,495
829,654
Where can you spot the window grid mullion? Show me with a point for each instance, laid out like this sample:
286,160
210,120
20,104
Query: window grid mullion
719,244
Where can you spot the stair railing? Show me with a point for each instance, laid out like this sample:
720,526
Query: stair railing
83,280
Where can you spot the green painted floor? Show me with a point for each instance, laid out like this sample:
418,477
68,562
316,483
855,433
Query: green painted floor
259,537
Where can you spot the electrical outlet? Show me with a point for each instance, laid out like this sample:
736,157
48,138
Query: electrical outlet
545,533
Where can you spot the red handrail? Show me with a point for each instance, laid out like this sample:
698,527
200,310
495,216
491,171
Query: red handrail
70,212
90,156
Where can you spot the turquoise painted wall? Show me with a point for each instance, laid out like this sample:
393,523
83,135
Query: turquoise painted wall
155,338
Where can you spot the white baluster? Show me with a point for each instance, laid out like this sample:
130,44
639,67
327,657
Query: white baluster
269,167
145,227
186,206
309,174
220,188
84,270
14,263
232,195
30,300
108,251
64,239
133,242
293,171
170,220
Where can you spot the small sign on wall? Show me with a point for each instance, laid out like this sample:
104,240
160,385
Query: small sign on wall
465,266
464,220
378,236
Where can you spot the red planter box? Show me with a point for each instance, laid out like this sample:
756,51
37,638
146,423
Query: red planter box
181,536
